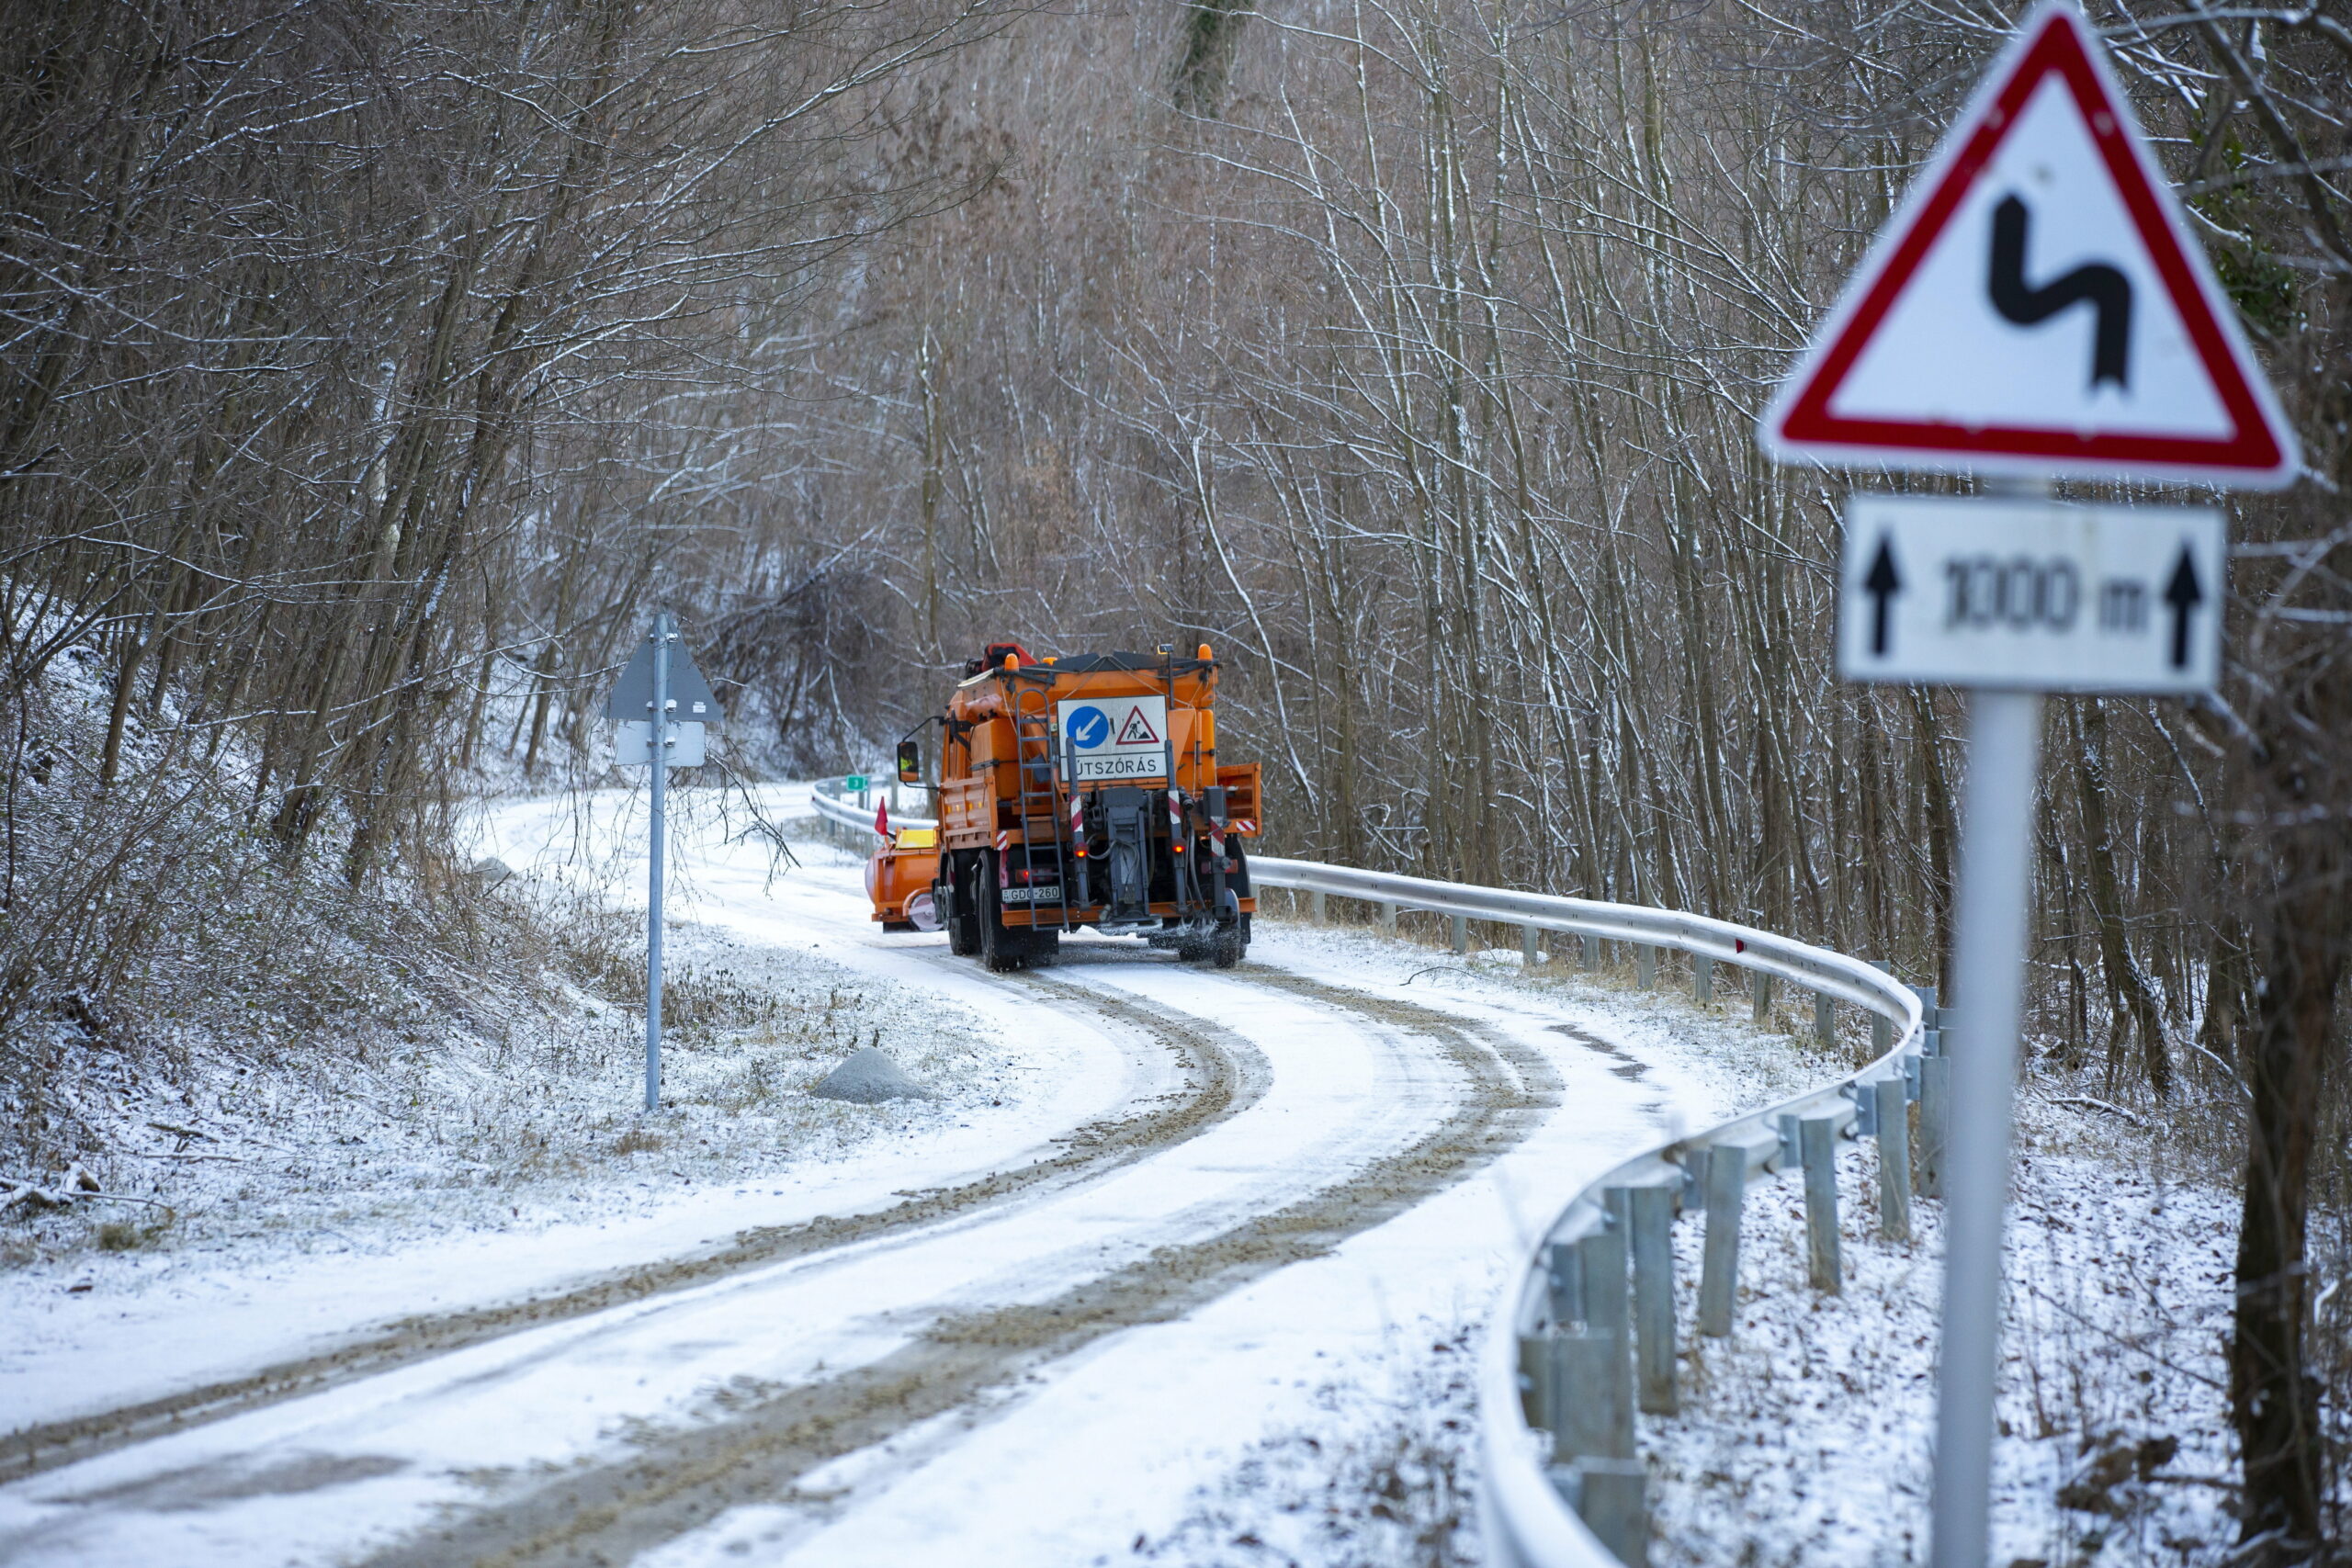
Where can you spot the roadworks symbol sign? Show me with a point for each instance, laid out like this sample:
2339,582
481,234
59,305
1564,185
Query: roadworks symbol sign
1137,730
2037,304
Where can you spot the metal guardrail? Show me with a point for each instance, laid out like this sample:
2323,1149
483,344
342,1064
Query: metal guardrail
833,804
1585,1334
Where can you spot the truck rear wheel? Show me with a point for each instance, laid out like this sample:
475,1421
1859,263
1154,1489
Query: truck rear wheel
1002,950
964,898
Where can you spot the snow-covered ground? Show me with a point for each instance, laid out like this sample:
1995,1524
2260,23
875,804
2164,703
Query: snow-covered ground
1353,1063
1806,1438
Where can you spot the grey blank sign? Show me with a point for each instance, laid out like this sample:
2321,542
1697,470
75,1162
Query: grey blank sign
632,741
632,696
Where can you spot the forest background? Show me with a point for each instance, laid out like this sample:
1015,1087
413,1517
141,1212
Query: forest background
372,372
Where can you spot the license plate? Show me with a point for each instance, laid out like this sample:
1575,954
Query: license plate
1050,894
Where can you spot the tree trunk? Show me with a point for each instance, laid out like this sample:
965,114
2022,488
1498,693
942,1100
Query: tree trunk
2274,1399
2303,931
2131,1007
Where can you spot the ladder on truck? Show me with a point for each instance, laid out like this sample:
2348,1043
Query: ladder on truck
1033,753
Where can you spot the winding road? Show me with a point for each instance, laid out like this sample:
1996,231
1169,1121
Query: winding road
1295,1163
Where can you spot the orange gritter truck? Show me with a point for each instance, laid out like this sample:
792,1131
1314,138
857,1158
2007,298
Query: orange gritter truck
1077,791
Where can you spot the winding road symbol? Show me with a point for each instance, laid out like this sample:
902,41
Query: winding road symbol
2045,218
2104,287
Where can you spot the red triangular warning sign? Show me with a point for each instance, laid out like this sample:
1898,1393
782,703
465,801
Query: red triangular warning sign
1137,730
2037,306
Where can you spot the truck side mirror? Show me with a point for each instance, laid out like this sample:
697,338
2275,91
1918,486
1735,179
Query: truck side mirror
909,762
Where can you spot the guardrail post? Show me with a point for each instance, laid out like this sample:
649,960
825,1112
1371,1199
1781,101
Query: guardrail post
1564,1280
1527,950
1651,1212
1818,1137
1726,1178
1703,978
1762,985
1611,1499
1894,1109
1645,965
1462,935
1881,1026
1601,1258
1935,1110
1591,952
1583,1424
1825,1019
1387,919
1317,908
1536,1379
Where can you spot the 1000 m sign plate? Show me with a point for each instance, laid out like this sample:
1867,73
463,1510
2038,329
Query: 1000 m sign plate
2030,595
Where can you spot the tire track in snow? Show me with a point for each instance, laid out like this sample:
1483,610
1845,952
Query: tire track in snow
1226,1076
680,1480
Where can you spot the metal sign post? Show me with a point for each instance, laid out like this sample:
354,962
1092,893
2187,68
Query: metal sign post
664,633
2009,596
1988,976
2036,307
661,681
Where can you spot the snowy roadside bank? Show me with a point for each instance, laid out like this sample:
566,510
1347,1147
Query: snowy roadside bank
533,1122
1806,1438
392,1097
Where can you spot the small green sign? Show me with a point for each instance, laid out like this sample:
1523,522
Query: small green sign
855,781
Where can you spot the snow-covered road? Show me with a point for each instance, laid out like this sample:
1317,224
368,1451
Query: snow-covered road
1028,1344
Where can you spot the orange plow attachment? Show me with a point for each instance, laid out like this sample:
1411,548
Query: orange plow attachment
898,880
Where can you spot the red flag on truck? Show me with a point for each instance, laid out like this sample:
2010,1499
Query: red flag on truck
882,817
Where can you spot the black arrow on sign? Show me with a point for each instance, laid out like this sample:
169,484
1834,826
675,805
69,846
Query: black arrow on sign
1882,584
2184,593
2108,291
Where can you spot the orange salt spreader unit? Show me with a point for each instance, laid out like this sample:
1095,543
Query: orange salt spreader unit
899,876
1078,791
